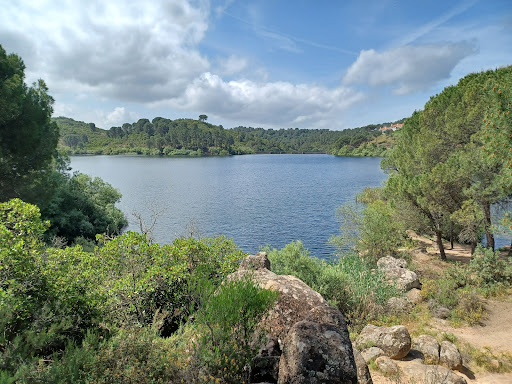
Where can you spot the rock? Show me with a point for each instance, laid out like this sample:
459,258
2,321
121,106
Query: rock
449,356
437,310
363,373
431,374
389,262
394,341
265,369
414,296
265,366
372,353
316,353
404,279
295,299
310,336
258,261
429,347
394,270
398,305
387,366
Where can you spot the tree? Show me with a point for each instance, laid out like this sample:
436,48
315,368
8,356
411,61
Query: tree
28,137
203,117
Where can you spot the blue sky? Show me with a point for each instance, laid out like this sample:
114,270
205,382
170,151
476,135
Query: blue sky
261,63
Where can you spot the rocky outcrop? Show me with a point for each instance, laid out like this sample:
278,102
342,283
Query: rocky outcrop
308,337
394,341
394,270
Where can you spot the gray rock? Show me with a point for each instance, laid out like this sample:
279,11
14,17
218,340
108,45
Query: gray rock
395,271
404,279
372,353
387,366
449,356
429,347
398,305
363,373
258,261
316,353
414,296
310,336
389,262
420,373
394,341
439,311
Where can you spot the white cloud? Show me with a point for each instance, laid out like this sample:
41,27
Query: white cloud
117,117
409,68
135,51
275,104
233,64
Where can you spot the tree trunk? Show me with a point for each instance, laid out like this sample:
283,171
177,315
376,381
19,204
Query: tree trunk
451,234
510,250
488,226
439,242
473,247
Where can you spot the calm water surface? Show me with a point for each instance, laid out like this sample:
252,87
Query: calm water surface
255,199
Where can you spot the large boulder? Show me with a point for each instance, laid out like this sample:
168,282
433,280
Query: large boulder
420,373
449,356
295,299
394,341
387,366
394,270
316,353
429,347
310,336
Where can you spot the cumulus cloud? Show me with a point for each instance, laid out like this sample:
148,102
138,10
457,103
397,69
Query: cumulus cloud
117,117
272,103
408,68
233,64
136,51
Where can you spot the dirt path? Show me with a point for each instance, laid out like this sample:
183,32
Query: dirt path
494,333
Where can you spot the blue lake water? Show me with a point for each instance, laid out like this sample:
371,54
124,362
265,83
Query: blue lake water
257,200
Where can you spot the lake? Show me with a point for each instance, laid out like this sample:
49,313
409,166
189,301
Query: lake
257,200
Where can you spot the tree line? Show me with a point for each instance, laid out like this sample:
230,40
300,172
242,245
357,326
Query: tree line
190,137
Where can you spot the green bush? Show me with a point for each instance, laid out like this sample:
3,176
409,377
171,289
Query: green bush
295,260
351,283
489,270
228,325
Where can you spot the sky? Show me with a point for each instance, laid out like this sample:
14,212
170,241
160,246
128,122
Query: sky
331,64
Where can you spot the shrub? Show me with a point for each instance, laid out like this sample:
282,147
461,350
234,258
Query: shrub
295,260
228,324
489,270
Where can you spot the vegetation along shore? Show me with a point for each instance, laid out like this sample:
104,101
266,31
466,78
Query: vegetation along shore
83,302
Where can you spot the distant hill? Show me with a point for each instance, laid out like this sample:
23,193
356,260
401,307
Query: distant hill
189,137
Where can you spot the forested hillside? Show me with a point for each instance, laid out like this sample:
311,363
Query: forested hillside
188,137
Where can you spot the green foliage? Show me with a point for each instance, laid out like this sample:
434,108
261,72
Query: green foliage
187,137
446,161
351,283
82,207
28,138
228,322
295,260
44,303
373,232
490,271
